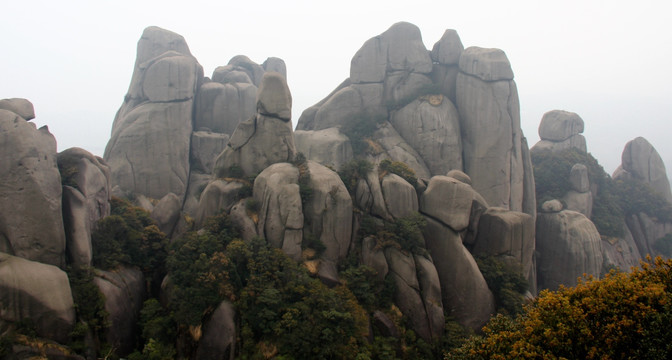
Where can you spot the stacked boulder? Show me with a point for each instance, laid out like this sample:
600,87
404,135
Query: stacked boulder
560,130
411,96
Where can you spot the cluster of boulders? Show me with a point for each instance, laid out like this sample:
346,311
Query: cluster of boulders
186,147
50,204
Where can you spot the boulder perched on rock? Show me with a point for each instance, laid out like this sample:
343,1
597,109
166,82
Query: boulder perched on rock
36,291
448,201
267,137
568,246
487,99
31,224
640,161
148,151
560,130
124,292
21,107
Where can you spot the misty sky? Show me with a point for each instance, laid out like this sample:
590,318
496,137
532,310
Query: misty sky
608,61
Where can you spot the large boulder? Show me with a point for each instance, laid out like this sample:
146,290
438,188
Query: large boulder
390,145
281,219
561,130
640,161
21,107
31,220
148,151
267,137
446,57
124,292
465,294
487,99
327,213
36,291
400,196
86,195
448,201
219,195
568,246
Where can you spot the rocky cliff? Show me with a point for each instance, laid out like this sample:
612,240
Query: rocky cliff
412,175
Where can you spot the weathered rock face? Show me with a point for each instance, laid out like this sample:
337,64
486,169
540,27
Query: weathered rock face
446,57
276,190
222,106
328,212
640,161
432,128
568,246
124,292
465,293
267,137
86,198
219,335
329,147
148,151
487,99
41,292
400,196
430,290
218,196
560,130
31,220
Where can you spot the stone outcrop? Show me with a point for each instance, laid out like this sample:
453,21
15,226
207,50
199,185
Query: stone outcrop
640,161
560,130
580,197
568,246
267,137
329,147
148,151
36,291
31,220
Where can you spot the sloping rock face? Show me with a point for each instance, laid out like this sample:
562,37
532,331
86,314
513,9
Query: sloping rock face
640,161
86,197
329,147
568,246
267,137
31,220
560,130
21,107
148,151
36,291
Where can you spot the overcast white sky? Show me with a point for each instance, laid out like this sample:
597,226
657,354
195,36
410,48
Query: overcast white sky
608,61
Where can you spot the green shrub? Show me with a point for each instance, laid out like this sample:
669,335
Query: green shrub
506,281
359,129
551,177
371,292
352,171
